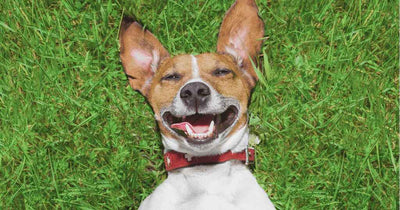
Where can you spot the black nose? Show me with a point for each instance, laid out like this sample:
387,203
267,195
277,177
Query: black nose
195,94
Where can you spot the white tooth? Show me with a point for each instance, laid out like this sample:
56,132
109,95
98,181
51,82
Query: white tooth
189,130
211,127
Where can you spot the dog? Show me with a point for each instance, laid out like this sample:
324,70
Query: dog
200,104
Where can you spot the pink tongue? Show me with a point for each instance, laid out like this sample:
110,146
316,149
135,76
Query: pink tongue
196,128
198,124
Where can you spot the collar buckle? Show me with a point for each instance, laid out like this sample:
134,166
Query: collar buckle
248,155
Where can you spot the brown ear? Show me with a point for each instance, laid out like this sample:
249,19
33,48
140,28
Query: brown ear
141,53
241,36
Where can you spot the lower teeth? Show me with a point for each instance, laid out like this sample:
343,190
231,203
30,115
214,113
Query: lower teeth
190,133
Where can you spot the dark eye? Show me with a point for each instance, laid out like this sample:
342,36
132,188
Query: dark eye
172,77
221,72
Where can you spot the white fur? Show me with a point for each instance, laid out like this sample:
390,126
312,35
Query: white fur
228,185
195,67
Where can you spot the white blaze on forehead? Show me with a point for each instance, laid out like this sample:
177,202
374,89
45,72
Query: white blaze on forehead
195,67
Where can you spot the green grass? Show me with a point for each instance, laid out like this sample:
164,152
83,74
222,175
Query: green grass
73,134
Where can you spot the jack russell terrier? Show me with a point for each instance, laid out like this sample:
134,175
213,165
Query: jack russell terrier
200,104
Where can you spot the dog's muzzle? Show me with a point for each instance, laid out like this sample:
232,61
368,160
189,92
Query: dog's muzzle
200,114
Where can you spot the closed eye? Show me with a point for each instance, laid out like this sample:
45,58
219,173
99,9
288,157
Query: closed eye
221,72
172,77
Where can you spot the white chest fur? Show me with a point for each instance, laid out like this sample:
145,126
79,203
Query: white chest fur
228,185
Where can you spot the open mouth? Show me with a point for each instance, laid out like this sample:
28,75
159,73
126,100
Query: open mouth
201,128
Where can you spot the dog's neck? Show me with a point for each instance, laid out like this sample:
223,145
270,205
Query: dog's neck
236,142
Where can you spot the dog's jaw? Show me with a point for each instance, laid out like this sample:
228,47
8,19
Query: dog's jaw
236,142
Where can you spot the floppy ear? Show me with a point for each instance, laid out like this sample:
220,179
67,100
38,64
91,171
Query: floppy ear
141,53
241,36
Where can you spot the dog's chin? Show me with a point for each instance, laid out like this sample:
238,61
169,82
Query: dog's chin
201,131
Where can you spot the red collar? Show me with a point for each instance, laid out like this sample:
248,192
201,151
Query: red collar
174,160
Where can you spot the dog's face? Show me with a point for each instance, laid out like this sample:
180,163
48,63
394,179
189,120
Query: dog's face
198,100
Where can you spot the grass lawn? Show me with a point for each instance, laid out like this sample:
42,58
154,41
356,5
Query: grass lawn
73,134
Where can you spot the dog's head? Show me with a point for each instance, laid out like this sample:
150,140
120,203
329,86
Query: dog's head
199,101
